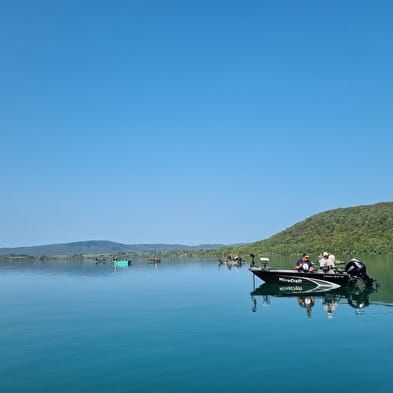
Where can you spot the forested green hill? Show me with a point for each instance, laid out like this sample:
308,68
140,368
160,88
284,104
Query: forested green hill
344,232
356,230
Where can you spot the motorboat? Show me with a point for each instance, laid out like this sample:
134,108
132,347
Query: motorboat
322,279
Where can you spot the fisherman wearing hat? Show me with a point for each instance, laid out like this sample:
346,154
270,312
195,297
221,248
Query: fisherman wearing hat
326,263
304,265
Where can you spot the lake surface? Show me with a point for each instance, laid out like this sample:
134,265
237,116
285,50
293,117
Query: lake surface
187,326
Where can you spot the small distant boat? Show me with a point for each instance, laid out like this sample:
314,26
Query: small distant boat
155,259
122,263
236,260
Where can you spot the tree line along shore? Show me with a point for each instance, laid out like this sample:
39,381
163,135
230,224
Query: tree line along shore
359,230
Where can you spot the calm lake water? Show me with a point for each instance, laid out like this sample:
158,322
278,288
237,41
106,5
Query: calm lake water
187,326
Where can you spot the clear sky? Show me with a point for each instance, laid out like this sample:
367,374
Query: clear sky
190,121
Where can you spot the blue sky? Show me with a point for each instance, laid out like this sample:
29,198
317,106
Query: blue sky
190,121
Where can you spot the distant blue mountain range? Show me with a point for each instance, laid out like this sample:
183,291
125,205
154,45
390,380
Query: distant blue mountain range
100,247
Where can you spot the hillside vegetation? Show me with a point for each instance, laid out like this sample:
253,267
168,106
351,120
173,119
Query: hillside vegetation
349,231
344,232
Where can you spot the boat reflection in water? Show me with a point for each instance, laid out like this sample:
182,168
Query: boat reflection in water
356,297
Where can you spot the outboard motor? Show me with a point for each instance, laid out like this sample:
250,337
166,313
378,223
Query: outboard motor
357,269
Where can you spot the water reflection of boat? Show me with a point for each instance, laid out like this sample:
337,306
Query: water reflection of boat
306,297
354,270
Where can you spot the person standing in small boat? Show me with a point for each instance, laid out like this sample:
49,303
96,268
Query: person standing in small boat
304,265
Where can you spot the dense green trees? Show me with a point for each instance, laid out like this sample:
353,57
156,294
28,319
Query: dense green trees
346,231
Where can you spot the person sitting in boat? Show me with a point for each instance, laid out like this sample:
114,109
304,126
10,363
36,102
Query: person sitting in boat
304,265
326,263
